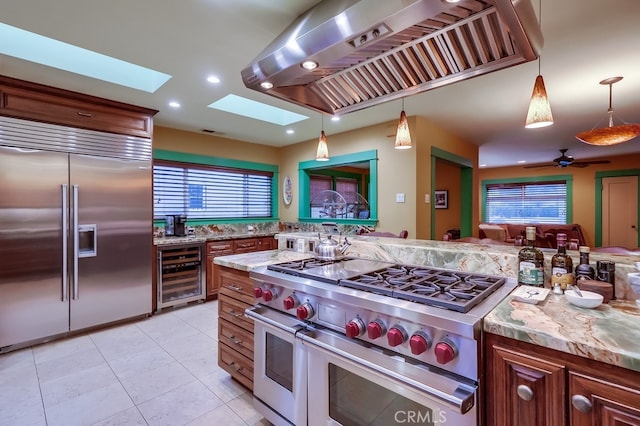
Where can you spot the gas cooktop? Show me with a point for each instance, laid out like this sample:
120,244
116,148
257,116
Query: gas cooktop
454,290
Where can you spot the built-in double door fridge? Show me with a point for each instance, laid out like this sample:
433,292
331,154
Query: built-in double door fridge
75,237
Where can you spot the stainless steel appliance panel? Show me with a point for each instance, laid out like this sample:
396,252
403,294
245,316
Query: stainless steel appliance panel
32,297
114,199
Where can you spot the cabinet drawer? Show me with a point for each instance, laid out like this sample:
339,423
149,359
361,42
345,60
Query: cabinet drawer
35,105
236,284
220,248
239,366
232,310
236,338
245,245
267,243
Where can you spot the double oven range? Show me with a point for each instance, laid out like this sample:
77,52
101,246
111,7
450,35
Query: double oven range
363,342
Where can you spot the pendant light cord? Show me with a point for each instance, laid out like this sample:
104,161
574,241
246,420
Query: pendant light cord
540,26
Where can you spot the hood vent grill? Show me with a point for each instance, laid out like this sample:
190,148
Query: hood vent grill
469,39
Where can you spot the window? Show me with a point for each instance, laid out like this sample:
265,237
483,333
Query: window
210,192
526,202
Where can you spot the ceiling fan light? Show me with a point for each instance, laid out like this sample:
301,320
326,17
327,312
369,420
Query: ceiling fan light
539,114
322,154
403,137
610,135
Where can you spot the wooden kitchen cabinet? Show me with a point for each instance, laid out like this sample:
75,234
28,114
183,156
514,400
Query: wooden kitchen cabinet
532,385
235,331
32,101
232,246
215,248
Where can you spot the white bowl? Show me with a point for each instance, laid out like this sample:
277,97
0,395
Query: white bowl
589,299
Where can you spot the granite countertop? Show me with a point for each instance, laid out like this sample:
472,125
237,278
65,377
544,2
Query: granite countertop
161,241
609,333
249,261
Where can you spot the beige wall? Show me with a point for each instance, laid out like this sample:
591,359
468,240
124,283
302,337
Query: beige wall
583,185
399,171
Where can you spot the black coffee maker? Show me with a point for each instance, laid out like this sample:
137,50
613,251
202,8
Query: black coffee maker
175,225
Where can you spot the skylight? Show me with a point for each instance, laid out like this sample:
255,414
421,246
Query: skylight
253,109
53,53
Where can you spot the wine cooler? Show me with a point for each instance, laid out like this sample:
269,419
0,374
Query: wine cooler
180,275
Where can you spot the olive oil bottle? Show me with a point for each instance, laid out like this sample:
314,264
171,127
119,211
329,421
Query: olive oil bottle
531,261
561,265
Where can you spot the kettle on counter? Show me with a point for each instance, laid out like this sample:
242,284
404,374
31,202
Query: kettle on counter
330,249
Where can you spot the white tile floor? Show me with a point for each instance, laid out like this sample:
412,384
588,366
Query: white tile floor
158,371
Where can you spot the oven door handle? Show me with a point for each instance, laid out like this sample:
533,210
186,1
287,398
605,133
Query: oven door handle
456,394
274,319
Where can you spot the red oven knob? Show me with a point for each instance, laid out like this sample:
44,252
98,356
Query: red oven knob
445,352
354,328
269,295
304,311
396,336
375,329
290,302
419,342
257,292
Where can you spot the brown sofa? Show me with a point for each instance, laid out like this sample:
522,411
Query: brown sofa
545,234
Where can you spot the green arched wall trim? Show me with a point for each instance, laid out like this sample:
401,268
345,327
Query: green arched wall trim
183,157
305,167
466,189
567,178
598,206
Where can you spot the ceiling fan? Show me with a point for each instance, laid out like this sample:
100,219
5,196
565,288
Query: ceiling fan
566,160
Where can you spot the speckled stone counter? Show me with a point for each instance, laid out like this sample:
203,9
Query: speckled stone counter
609,333
162,241
249,261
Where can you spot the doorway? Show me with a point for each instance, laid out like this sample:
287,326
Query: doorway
620,211
617,209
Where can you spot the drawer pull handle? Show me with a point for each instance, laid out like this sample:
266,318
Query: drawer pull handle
234,313
234,340
234,367
84,114
235,288
525,392
581,403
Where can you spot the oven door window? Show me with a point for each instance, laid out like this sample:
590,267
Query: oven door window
279,361
354,400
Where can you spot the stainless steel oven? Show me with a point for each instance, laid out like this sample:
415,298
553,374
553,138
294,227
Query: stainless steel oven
356,342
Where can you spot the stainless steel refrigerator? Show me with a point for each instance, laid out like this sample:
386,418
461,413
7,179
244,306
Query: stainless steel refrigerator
75,230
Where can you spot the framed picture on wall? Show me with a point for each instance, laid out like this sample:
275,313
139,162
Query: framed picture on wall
441,197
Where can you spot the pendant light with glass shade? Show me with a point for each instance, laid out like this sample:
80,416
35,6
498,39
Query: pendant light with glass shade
403,137
322,153
610,135
539,114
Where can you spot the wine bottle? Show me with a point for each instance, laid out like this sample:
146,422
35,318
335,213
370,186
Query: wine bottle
584,271
561,265
530,261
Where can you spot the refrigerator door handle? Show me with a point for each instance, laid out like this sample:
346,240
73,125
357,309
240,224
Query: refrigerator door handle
75,242
65,237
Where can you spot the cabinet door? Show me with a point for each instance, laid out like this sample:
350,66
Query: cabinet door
215,248
596,402
523,390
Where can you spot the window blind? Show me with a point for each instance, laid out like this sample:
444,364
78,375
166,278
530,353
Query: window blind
544,202
207,192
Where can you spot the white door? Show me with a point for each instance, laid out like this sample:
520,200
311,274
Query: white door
620,211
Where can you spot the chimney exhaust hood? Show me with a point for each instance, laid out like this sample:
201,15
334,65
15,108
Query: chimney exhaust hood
371,51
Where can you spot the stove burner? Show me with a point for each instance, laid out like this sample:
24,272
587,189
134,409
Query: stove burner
457,291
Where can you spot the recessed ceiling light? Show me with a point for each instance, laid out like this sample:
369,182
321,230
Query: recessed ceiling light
290,131
174,104
266,85
522,161
483,165
64,56
213,79
335,118
309,65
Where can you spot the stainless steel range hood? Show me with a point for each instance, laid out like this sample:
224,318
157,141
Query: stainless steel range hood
373,51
